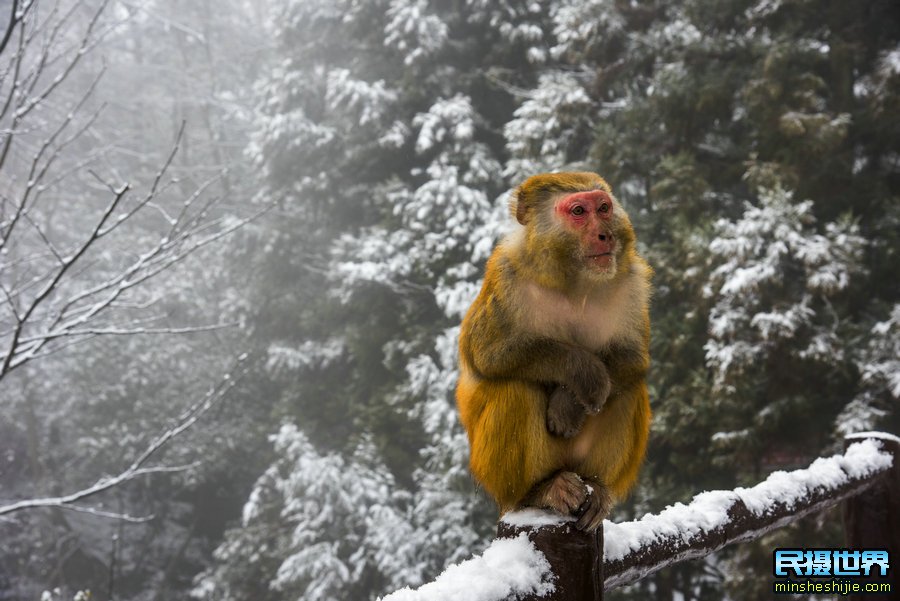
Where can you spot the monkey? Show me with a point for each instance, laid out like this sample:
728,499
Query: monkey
554,353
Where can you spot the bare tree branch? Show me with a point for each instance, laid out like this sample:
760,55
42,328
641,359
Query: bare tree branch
126,331
66,282
54,312
87,40
22,94
167,22
53,281
137,468
84,306
37,174
18,60
111,515
13,19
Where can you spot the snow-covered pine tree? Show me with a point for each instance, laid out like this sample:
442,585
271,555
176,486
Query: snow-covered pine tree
411,135
718,101
344,529
773,326
388,163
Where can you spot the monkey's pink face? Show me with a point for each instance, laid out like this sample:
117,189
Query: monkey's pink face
588,215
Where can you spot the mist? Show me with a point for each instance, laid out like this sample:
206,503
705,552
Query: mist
237,240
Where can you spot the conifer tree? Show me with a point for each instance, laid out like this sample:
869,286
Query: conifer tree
751,142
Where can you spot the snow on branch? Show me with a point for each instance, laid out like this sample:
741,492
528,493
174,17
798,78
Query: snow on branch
74,254
14,17
714,519
139,466
52,306
583,565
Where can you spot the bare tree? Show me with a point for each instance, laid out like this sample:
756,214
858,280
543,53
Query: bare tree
79,242
139,466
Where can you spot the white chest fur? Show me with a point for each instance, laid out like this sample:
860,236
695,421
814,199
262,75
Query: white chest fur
591,320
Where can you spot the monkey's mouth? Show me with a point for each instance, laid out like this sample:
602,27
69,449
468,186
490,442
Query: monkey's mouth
601,260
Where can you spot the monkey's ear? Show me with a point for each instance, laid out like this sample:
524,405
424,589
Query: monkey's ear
517,208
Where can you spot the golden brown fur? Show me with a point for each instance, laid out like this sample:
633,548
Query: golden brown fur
546,327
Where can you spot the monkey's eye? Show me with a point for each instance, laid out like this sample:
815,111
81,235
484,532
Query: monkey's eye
578,210
604,208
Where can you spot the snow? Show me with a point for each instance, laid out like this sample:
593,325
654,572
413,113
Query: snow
534,518
579,24
764,8
449,117
753,310
367,101
879,435
731,436
682,32
337,518
890,62
509,567
251,508
709,510
513,566
879,366
859,415
309,354
456,298
395,136
413,31
706,512
537,137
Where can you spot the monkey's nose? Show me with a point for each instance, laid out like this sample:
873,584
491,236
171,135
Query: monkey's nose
605,237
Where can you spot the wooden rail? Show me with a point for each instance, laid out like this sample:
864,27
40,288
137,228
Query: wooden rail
872,520
584,565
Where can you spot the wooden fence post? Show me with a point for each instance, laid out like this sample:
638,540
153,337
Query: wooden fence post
872,518
575,557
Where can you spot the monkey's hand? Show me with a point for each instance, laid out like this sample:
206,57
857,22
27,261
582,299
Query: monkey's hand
565,415
597,506
564,492
591,385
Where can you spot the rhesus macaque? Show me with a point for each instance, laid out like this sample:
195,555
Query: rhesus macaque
554,353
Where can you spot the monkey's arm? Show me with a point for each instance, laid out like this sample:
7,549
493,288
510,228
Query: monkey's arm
628,361
495,352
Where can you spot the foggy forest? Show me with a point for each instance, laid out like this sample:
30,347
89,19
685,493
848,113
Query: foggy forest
237,239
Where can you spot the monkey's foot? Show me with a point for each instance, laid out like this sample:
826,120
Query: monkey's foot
565,415
595,509
564,492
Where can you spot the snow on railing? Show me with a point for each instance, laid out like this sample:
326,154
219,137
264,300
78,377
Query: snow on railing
510,568
542,556
718,518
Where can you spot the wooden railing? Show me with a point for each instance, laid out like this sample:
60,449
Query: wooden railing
584,565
